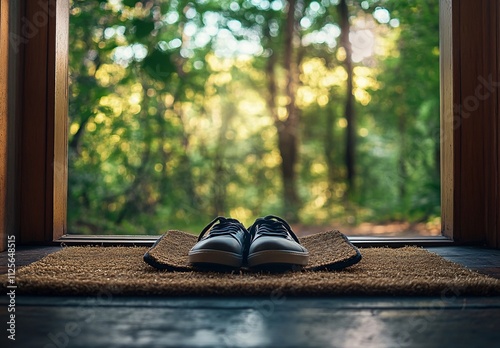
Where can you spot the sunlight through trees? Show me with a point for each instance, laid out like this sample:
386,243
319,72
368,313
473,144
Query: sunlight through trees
320,111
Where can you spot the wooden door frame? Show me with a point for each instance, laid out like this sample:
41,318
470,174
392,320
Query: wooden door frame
469,122
470,155
34,37
4,111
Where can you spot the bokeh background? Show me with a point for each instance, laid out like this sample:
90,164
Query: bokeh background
324,112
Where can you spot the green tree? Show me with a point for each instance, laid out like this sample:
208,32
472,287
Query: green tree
180,110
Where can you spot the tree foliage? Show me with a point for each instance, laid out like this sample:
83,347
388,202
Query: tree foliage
182,110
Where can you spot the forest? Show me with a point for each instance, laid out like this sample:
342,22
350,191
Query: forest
323,112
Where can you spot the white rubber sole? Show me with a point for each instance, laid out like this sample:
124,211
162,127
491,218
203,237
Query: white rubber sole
215,257
278,256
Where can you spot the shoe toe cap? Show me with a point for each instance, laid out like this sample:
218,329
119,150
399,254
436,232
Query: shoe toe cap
221,243
273,243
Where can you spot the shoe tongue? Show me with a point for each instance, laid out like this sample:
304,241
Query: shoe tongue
226,225
234,221
273,227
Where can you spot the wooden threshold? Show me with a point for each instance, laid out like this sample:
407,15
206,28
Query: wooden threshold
360,241
107,240
397,242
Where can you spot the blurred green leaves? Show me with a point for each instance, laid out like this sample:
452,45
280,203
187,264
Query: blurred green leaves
158,65
142,28
170,121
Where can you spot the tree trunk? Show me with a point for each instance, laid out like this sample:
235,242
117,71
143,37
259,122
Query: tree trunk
164,185
220,179
137,200
350,144
288,128
402,171
329,151
184,175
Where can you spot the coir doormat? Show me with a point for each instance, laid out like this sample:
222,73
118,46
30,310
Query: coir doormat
122,271
329,250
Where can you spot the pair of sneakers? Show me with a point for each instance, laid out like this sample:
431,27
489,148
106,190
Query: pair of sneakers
268,243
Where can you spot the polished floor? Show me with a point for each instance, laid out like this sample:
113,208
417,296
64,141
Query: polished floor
449,320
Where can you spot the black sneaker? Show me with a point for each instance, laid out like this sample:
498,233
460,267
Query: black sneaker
224,245
273,243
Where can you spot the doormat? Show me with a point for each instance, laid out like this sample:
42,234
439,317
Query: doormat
121,271
329,250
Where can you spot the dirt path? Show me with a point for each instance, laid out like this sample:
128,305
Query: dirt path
394,229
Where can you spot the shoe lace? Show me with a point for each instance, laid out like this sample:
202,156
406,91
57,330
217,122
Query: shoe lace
272,226
224,226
